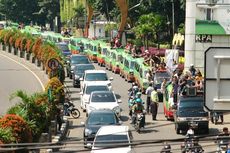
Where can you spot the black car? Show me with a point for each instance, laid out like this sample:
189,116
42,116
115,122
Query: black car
97,119
190,113
79,71
73,61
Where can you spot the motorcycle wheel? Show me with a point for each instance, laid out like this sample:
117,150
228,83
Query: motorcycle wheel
75,113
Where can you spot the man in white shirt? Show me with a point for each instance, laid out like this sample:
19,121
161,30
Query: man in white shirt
148,93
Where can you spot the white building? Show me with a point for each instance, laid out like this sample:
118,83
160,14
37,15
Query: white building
207,24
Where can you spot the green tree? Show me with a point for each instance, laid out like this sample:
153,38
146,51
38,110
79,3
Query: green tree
79,13
48,10
19,11
149,27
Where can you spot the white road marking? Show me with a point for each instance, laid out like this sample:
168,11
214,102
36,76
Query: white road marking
43,87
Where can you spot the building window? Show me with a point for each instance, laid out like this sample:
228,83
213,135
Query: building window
209,14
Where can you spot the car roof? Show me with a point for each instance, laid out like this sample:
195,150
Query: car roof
96,83
102,111
113,129
95,71
102,92
194,98
79,65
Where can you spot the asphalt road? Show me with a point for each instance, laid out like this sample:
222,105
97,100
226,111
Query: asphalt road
154,130
15,75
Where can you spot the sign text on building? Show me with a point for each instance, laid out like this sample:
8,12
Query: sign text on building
204,38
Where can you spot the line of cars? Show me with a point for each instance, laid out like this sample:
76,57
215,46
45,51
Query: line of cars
99,102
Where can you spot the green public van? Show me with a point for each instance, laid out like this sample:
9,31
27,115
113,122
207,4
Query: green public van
74,44
108,59
140,71
92,51
128,67
115,60
101,57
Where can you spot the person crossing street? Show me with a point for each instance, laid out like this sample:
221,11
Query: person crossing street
154,103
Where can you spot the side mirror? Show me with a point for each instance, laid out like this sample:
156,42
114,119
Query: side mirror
111,78
81,93
120,122
81,79
89,145
119,101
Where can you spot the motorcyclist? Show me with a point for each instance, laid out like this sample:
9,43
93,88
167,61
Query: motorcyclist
136,109
223,138
166,148
133,90
132,102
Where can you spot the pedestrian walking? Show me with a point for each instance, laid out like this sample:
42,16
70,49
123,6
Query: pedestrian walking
148,93
154,103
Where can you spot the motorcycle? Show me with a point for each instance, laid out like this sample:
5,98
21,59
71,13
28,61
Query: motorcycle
139,121
215,116
166,148
70,109
189,146
222,146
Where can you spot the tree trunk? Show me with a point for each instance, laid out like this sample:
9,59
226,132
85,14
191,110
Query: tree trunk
123,6
90,15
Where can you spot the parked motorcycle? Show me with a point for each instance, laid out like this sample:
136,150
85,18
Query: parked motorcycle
139,121
69,108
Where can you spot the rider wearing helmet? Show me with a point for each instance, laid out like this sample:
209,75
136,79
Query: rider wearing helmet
137,108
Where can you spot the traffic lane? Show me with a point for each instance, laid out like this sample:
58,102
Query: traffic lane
157,130
154,130
14,77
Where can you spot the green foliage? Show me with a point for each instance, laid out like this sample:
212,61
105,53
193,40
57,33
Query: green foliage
19,11
33,109
149,27
6,135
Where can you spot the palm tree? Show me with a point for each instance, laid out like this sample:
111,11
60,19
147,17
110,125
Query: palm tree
34,109
79,13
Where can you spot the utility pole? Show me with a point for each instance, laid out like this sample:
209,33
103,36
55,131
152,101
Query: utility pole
173,20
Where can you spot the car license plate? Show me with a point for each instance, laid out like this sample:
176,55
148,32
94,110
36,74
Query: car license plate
193,124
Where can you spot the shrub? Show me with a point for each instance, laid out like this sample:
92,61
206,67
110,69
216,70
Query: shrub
20,128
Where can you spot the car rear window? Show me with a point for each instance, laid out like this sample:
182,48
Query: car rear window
102,119
103,97
96,77
90,89
103,140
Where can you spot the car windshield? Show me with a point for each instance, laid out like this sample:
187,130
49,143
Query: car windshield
63,47
90,89
102,119
82,69
159,77
102,140
79,60
103,97
96,77
191,103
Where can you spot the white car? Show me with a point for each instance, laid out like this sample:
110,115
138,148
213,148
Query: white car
103,100
97,76
88,89
109,136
